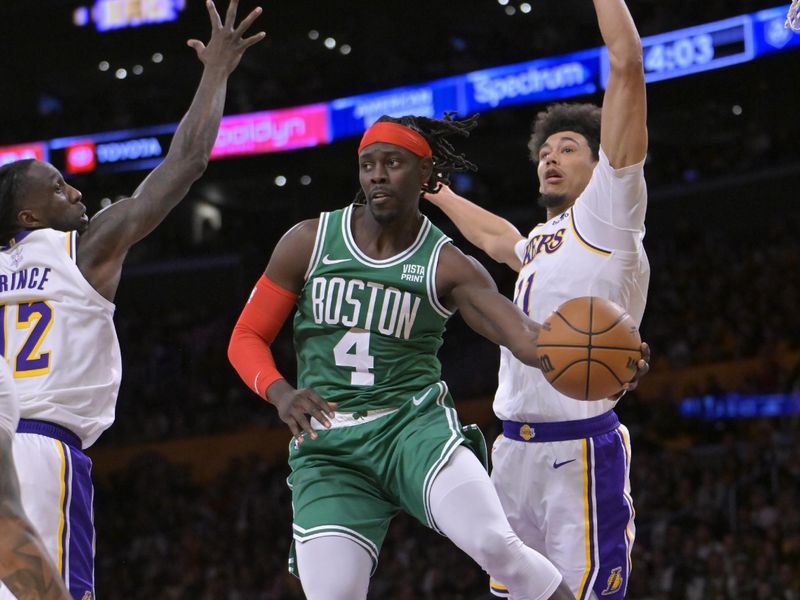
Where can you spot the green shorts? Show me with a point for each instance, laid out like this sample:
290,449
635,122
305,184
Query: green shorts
359,474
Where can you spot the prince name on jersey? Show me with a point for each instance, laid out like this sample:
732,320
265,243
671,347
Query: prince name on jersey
50,316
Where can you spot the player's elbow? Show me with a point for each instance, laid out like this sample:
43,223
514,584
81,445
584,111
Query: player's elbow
240,345
234,347
196,165
501,250
626,57
188,160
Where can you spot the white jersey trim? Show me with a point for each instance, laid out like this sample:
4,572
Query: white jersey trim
81,280
430,280
385,262
322,227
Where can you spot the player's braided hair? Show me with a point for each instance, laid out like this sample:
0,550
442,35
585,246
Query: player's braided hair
10,181
445,158
580,118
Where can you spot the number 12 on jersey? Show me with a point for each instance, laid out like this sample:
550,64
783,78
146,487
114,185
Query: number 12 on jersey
37,317
352,351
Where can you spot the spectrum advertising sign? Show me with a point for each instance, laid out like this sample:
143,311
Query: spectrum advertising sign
534,81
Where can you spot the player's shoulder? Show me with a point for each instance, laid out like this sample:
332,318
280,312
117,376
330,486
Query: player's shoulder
604,166
456,265
38,235
44,241
451,255
303,228
299,239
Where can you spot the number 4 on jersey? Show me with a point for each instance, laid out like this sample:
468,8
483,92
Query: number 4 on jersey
352,351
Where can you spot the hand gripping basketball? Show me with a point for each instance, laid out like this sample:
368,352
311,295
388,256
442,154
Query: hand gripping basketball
589,348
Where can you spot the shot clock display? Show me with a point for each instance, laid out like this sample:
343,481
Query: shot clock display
701,48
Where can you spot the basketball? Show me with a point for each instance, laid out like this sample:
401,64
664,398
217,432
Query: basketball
588,348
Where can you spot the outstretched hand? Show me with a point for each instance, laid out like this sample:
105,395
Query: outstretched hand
227,43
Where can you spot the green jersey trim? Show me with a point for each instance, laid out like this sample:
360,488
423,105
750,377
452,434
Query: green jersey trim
386,262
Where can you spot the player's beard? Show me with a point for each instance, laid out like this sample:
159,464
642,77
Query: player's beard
552,200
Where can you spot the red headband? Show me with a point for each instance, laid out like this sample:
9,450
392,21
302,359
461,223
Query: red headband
399,135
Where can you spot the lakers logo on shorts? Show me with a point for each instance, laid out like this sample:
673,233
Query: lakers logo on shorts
614,582
87,596
526,432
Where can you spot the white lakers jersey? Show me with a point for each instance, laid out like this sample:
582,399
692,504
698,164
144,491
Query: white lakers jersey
592,249
58,335
9,405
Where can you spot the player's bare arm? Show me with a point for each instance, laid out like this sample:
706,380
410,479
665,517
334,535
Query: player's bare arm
287,268
489,232
289,261
464,284
102,248
623,128
25,567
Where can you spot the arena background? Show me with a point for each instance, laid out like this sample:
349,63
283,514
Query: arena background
191,500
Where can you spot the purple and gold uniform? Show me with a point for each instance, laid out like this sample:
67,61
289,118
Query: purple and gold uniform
561,467
9,404
53,323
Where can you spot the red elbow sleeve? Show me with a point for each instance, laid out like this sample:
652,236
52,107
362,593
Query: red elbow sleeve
263,316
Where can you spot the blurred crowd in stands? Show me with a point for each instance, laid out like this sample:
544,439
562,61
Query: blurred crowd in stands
718,503
715,295
715,521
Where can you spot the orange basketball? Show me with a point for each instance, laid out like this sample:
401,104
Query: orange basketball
588,348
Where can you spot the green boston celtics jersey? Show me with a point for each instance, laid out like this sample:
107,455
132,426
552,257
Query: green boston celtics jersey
367,331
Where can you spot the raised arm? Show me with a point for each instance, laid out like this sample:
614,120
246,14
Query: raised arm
25,567
492,234
464,284
623,129
102,248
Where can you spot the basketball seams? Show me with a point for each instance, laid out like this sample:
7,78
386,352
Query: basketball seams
579,330
573,341
589,362
610,327
610,370
621,348
567,367
571,326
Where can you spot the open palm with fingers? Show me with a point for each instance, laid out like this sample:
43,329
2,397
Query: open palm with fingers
227,43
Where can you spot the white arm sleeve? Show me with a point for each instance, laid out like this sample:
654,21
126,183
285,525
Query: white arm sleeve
9,405
610,211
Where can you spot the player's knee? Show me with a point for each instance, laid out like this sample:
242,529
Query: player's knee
494,547
342,587
334,593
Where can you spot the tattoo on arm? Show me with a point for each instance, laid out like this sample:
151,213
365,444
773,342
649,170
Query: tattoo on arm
25,567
